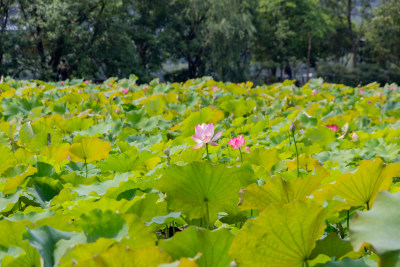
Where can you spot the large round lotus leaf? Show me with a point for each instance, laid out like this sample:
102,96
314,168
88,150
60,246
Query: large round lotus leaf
199,187
378,226
89,149
213,246
360,188
283,235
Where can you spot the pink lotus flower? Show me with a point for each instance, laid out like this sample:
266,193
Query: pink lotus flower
361,91
117,110
79,91
237,142
369,101
247,148
86,82
145,87
62,83
204,135
125,91
214,88
111,84
314,92
114,136
392,88
333,127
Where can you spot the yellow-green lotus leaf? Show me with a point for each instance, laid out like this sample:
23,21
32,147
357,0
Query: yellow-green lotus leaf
13,183
305,162
361,187
89,150
283,235
263,157
124,256
82,252
7,158
278,190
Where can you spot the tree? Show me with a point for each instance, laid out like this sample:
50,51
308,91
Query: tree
286,29
5,7
384,34
212,36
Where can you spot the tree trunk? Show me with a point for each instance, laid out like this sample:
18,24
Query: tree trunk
308,56
351,34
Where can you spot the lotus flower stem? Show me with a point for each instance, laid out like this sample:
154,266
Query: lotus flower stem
297,155
208,155
348,220
86,168
241,156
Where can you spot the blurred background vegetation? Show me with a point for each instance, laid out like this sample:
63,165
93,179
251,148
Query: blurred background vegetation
343,41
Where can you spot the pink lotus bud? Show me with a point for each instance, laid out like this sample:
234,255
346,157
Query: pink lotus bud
79,91
361,91
86,82
117,110
145,91
247,148
369,101
111,84
62,83
392,88
167,152
114,136
354,137
292,127
214,88
125,91
314,92
379,94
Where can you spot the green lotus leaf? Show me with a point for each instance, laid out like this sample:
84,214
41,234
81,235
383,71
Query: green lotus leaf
45,240
348,262
323,136
332,246
201,189
147,207
283,235
378,226
107,224
213,246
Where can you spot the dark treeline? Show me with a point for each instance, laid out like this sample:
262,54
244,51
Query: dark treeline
344,41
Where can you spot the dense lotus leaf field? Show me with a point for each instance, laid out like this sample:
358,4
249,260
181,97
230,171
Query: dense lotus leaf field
201,173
